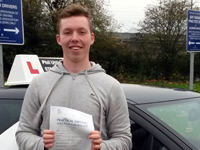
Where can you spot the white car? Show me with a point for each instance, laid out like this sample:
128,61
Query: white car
11,99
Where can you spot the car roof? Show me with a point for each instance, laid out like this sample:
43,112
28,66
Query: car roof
13,92
140,94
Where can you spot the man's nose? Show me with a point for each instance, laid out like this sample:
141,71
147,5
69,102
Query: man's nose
74,37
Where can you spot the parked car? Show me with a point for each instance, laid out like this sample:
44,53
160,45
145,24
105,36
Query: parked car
163,118
160,118
11,99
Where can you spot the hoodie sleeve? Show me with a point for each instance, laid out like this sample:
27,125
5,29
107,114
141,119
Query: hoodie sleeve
28,134
118,122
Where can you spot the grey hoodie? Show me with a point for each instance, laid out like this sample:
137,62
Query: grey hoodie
91,91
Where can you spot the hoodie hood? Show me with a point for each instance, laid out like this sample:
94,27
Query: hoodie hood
59,68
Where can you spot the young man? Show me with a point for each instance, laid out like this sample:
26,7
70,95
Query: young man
75,83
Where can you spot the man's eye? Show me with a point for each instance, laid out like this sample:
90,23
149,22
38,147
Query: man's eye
66,33
82,32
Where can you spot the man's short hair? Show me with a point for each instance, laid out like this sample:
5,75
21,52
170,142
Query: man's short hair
74,10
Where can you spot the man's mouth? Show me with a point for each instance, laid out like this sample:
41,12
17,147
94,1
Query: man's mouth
75,47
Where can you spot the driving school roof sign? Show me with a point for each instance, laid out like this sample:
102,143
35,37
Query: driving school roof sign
26,67
193,31
11,22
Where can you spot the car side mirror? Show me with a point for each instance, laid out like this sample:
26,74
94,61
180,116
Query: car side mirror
194,115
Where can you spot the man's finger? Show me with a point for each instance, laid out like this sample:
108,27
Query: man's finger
98,141
48,141
48,132
94,136
49,145
97,147
48,136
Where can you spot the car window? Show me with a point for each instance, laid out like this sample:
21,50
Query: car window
184,118
143,140
9,113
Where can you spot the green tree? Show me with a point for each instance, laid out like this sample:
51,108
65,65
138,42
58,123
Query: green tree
163,35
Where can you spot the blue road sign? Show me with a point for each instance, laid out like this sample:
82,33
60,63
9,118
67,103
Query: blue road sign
193,31
11,22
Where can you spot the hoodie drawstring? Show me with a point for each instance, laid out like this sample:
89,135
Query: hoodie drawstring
100,101
36,119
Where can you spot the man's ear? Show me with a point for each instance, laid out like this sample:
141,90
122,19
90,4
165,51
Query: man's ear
92,38
58,39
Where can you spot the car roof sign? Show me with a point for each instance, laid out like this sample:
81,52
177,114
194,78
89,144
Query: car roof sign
24,69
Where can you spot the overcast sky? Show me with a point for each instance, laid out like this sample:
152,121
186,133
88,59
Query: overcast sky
128,13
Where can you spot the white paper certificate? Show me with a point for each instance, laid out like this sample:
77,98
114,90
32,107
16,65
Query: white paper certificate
71,128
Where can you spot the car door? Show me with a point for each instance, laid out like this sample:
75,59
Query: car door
9,112
147,134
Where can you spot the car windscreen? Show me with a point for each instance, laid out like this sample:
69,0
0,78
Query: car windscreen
181,116
9,113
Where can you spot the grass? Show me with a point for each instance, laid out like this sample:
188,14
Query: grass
163,83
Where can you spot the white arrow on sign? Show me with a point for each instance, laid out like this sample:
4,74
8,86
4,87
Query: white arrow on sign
12,30
191,42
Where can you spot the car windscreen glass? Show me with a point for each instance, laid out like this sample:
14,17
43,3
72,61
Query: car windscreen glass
9,113
183,116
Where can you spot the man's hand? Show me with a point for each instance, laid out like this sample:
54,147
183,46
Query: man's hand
48,138
96,140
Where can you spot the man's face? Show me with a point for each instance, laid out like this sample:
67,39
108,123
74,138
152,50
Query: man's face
75,38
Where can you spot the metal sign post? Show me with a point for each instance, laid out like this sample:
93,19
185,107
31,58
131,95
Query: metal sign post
1,67
193,39
191,70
